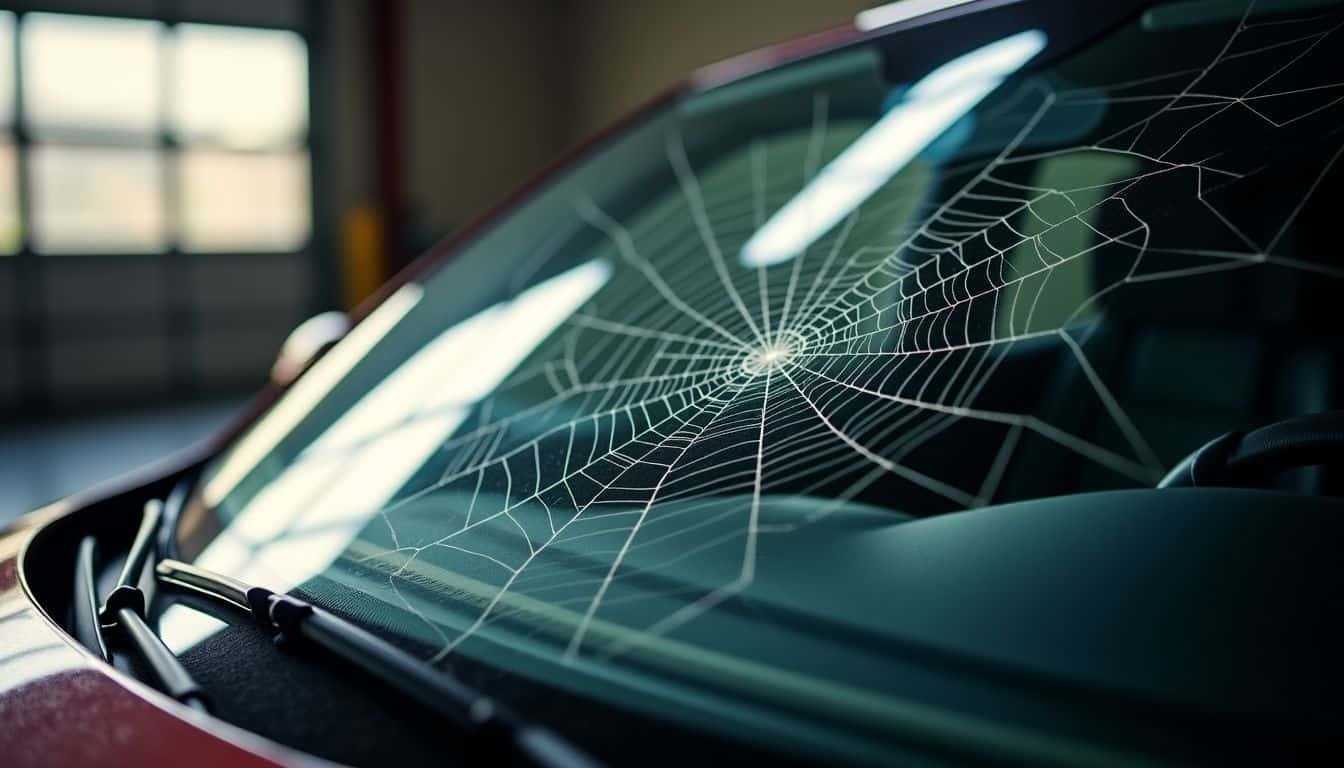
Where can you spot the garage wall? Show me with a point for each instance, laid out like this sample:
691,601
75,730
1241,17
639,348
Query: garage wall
494,91
483,101
348,111
624,51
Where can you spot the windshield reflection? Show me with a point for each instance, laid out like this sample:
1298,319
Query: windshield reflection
296,526
925,112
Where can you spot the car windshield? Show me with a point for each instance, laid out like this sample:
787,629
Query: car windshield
646,435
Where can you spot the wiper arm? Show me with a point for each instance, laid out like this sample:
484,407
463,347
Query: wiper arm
499,731
125,609
496,731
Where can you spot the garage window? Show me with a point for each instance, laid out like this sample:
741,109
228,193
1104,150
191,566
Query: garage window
147,136
156,201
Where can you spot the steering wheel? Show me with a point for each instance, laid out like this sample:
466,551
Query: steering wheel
1247,459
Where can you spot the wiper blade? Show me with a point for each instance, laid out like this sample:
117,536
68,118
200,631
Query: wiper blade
500,732
125,609
86,628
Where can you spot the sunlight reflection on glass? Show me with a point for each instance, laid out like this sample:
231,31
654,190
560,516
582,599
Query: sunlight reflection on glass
181,627
930,107
902,10
309,390
388,435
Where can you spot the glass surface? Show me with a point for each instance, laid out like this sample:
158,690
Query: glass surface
6,67
244,202
96,200
84,74
648,436
11,229
239,87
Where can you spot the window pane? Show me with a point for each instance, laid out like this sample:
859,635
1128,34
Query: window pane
97,200
6,67
237,202
88,73
10,230
240,87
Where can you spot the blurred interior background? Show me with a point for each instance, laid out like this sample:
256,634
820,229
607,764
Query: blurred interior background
183,181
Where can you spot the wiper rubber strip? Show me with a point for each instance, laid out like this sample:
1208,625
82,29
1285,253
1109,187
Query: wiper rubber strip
86,628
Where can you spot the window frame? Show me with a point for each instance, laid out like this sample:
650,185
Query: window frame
180,317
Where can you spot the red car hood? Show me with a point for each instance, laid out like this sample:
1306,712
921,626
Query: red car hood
61,706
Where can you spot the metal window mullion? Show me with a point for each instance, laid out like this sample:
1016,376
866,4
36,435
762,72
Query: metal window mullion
32,342
322,247
181,329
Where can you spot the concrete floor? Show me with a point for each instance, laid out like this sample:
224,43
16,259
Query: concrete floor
44,462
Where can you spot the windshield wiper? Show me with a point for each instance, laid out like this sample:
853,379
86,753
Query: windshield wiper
125,610
497,731
86,628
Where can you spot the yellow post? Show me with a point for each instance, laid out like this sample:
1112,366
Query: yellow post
362,258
